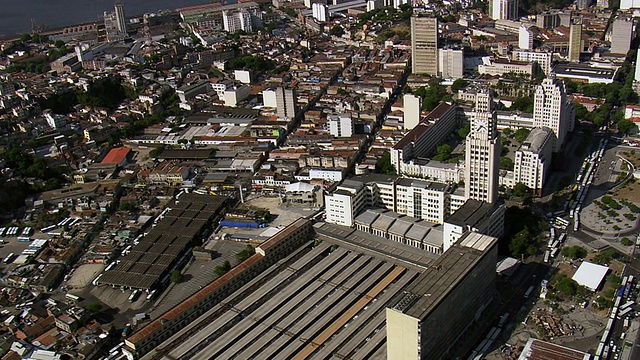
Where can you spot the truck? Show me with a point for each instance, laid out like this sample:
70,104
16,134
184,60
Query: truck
528,292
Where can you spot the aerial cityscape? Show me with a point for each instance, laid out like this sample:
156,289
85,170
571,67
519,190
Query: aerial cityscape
344,179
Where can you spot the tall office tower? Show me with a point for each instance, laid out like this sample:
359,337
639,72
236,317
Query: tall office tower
504,9
286,102
450,63
482,152
424,43
637,73
121,20
621,35
412,105
575,40
585,4
553,109
525,38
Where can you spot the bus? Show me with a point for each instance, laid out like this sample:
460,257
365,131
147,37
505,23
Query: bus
74,298
554,252
624,312
562,237
546,256
627,304
8,259
134,295
528,293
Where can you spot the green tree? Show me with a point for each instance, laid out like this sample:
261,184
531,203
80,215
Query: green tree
459,84
245,254
443,152
625,126
176,276
574,252
464,131
524,104
336,30
506,163
520,189
520,244
384,166
567,286
521,134
222,269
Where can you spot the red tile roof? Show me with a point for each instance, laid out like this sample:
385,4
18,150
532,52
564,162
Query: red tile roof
116,155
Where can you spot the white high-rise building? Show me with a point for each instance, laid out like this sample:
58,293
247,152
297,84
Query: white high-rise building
345,203
450,63
543,59
525,38
533,159
121,20
622,32
340,125
420,199
234,21
424,43
482,152
553,109
320,11
504,9
637,73
412,105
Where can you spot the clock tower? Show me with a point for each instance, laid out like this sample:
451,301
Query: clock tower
482,152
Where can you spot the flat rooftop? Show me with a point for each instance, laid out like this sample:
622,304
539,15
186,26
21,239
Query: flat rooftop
322,301
472,212
427,292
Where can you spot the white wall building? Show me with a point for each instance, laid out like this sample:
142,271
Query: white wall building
345,203
503,9
412,105
525,38
423,199
320,12
286,102
233,95
450,63
543,59
237,20
533,159
243,76
340,125
269,98
636,77
553,109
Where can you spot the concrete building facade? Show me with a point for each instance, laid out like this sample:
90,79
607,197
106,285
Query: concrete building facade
533,159
340,125
503,9
424,43
482,152
542,58
412,106
622,34
575,40
428,318
553,109
450,63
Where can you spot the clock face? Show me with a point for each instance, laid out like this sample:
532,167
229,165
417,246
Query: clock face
481,124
